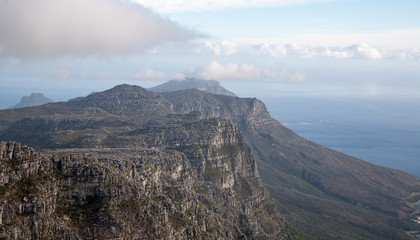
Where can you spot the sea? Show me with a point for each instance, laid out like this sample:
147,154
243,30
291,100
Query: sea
382,131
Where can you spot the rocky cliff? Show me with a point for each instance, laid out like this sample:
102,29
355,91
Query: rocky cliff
196,180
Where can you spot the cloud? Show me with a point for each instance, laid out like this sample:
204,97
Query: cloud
412,54
365,51
360,51
179,76
51,28
233,71
199,5
150,74
226,48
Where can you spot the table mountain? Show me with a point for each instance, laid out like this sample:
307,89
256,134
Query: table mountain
323,192
105,173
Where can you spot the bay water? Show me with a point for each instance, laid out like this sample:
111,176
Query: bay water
382,131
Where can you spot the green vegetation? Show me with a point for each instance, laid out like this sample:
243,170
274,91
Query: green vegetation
213,174
27,187
179,222
229,149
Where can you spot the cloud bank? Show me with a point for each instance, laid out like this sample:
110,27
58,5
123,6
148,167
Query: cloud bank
355,51
198,5
360,51
234,71
51,28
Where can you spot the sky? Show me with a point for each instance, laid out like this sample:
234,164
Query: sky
70,48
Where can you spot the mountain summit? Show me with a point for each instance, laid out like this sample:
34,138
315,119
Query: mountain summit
35,99
211,86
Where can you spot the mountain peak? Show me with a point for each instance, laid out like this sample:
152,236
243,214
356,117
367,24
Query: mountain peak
211,86
35,99
126,100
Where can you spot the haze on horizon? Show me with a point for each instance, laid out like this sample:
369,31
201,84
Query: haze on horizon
69,48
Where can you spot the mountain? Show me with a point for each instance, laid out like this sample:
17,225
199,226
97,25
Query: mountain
122,164
35,99
326,194
211,86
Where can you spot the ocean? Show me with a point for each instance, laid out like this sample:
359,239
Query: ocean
385,132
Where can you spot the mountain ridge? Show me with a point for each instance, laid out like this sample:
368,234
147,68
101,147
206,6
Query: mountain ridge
309,183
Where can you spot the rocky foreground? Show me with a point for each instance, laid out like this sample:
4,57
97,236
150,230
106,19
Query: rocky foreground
183,185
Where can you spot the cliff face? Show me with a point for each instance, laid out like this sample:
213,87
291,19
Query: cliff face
181,187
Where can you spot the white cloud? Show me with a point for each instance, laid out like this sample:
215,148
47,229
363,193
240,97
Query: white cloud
199,5
294,50
412,54
274,50
150,74
361,51
51,28
365,51
226,48
329,53
233,71
179,76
